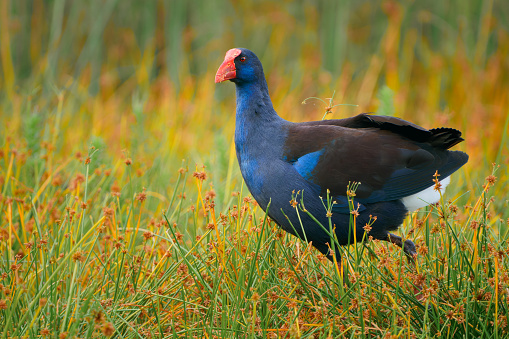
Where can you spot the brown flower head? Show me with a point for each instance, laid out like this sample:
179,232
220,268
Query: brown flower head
108,329
142,196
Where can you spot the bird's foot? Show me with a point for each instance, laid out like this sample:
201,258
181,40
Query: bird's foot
408,247
410,251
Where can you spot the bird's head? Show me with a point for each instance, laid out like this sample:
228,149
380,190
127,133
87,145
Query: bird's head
240,65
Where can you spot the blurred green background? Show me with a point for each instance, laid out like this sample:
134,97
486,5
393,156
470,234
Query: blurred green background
138,75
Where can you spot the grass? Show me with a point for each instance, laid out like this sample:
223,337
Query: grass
107,231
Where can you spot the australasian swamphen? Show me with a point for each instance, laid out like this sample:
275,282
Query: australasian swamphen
393,160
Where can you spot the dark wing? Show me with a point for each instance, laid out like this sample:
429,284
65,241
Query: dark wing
443,138
390,157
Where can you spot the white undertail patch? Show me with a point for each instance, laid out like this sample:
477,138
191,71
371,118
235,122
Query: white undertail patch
425,197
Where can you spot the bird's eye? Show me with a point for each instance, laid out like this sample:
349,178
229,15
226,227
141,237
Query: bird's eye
242,59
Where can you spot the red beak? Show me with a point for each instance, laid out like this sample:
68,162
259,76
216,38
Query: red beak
227,69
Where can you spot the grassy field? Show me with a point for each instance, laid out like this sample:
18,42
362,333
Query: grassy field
123,211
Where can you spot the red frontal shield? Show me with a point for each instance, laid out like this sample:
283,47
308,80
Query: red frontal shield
227,69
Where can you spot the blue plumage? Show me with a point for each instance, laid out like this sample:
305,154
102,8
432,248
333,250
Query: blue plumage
392,159
307,163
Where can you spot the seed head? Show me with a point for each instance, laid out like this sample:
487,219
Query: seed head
78,256
179,236
438,184
147,235
491,179
108,211
200,175
142,196
210,195
423,250
294,203
474,224
57,180
355,213
255,297
108,329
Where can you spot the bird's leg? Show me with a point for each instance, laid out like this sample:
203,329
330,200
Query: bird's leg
339,266
408,247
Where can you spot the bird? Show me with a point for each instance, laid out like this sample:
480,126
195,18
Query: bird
302,173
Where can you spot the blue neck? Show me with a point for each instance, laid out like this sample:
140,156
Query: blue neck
255,128
253,101
254,115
